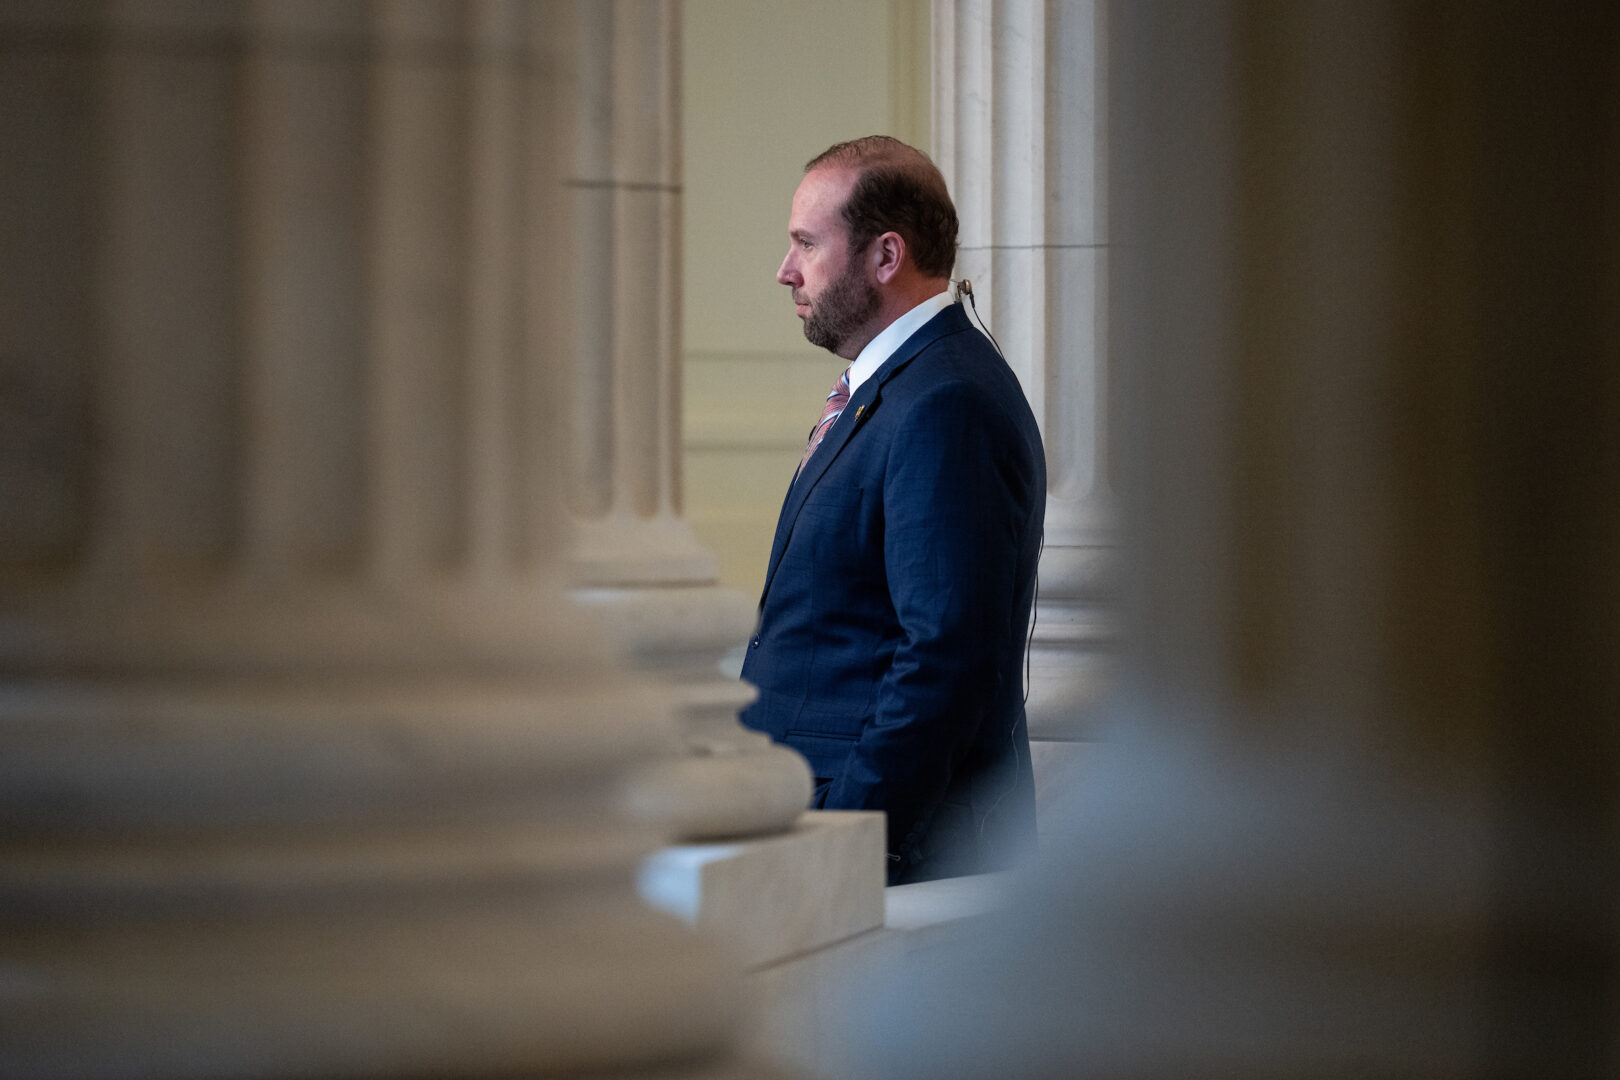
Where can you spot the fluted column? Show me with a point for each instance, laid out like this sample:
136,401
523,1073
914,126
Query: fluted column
635,558
306,768
1018,132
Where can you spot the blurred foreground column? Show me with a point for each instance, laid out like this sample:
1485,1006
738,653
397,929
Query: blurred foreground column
1018,128
305,769
1364,817
637,563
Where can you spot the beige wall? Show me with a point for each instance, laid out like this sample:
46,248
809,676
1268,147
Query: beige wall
767,85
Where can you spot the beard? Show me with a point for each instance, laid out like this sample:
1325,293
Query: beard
844,307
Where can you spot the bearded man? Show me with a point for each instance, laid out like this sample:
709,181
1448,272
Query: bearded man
892,627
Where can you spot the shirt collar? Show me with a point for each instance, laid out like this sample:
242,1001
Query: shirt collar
893,336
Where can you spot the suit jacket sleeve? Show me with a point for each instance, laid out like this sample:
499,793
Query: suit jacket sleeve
956,499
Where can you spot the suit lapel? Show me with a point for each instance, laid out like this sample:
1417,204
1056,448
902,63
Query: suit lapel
861,406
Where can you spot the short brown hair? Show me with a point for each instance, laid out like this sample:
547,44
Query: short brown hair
897,189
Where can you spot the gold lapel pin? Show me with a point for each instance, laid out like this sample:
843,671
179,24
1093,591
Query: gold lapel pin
858,410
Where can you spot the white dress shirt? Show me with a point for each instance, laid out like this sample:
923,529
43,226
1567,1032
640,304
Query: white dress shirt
893,336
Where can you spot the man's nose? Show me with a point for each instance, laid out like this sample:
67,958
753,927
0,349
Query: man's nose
787,273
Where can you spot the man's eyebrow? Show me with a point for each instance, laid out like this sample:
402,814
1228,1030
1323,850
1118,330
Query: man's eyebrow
799,234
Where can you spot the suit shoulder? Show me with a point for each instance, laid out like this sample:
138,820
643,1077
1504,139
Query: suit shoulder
964,355
964,359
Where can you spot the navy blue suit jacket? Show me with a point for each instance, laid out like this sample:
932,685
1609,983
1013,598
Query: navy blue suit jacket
892,627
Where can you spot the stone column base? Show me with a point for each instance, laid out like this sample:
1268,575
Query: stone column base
751,787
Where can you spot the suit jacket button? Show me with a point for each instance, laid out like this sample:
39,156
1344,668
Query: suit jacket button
754,644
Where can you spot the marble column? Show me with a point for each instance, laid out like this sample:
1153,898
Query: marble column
636,562
307,768
1018,131
1369,276
1362,817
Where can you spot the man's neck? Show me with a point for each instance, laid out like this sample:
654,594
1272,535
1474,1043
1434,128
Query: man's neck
879,349
896,301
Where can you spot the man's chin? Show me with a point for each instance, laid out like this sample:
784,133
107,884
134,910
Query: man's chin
833,347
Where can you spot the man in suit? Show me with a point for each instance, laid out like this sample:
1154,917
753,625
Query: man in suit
892,627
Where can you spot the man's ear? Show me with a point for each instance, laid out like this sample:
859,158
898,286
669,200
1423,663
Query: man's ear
888,253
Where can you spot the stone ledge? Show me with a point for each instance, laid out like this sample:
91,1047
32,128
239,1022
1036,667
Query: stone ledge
770,898
927,904
801,1006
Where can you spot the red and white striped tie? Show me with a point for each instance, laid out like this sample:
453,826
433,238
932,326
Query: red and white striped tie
835,405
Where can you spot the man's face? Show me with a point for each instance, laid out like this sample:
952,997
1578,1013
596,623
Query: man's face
831,290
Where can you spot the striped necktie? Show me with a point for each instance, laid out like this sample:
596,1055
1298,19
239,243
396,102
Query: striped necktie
835,405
